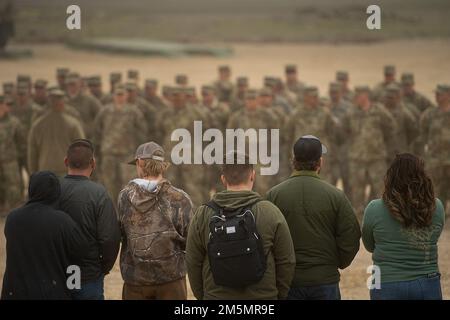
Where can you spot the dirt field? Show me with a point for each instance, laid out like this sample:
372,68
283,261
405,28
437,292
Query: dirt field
429,60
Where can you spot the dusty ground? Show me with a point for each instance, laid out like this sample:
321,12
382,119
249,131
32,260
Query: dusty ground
429,60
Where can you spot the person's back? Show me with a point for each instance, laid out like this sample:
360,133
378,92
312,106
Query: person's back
89,205
41,242
271,227
323,226
401,230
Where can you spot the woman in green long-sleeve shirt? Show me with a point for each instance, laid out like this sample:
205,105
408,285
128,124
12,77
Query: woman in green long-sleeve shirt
401,230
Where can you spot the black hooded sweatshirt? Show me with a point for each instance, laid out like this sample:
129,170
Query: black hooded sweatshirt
41,242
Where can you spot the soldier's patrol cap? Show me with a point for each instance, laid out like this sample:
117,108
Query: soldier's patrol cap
149,150
119,89
442,88
131,86
290,68
266,91
309,148
56,92
392,89
341,75
407,78
23,78
312,91
133,74
40,83
181,79
62,72
251,94
224,68
389,69
73,77
362,89
242,81
151,82
115,77
208,89
335,86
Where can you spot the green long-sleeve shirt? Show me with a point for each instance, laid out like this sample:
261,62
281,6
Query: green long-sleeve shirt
401,254
323,225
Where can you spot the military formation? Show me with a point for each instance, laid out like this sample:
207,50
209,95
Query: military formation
363,128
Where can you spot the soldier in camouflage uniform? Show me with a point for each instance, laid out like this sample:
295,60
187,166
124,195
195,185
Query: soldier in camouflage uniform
87,105
40,96
435,142
224,86
95,86
368,127
389,77
61,75
343,78
407,130
146,108
154,218
151,94
217,114
312,119
411,96
189,177
253,116
181,80
237,100
11,139
119,128
338,160
292,83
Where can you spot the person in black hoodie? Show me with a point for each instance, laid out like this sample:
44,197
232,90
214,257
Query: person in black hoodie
41,243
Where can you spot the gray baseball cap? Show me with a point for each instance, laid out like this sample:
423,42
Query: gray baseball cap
148,150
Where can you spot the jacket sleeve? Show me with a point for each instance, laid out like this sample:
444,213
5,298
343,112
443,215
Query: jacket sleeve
348,234
108,233
367,230
284,256
195,253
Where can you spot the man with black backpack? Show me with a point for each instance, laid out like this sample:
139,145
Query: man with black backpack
239,245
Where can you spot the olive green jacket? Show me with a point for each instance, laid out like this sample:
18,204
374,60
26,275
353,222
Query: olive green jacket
277,245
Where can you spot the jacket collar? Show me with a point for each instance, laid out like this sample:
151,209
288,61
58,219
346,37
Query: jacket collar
300,173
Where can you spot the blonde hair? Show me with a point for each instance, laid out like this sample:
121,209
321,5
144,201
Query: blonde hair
152,168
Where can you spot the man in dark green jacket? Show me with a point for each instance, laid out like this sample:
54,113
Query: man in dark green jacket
323,225
271,225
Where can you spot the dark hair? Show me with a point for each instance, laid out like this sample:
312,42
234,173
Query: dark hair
80,154
235,173
408,192
305,165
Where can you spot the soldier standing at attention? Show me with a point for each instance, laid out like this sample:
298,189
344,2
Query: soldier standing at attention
224,86
11,139
119,128
411,96
435,136
343,78
50,135
389,77
292,83
368,127
181,80
87,105
40,96
151,94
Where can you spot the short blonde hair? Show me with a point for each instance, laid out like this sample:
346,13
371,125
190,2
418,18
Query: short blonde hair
153,168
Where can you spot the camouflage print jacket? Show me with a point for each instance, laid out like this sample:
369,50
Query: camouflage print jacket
154,219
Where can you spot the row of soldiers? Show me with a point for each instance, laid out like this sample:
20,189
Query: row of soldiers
363,128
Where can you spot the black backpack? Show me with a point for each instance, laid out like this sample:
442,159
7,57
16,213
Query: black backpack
235,248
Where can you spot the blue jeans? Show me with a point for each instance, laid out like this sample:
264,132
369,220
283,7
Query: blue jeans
426,288
92,290
321,292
